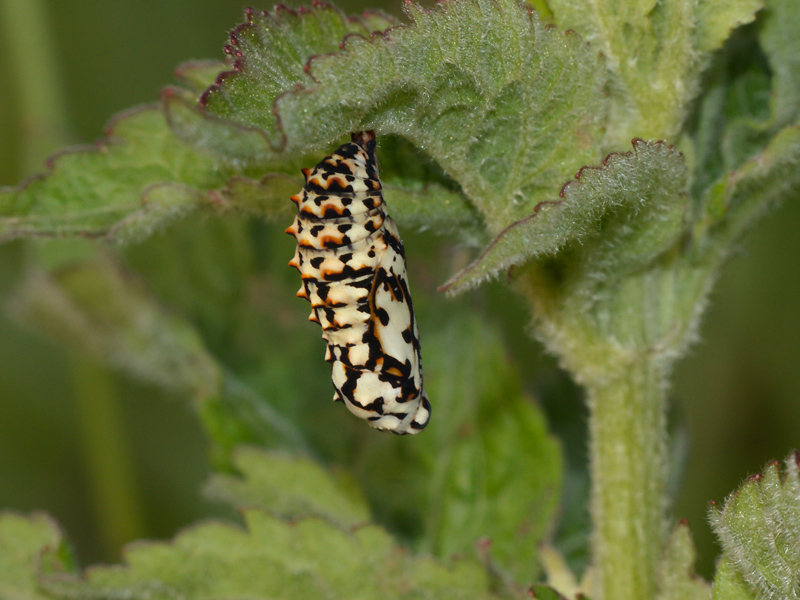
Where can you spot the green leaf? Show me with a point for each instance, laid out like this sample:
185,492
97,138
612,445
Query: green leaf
432,207
99,308
732,122
716,20
198,75
729,584
736,200
29,547
778,35
143,178
655,52
676,579
270,52
629,210
137,181
759,529
420,195
272,560
487,471
505,108
113,317
291,487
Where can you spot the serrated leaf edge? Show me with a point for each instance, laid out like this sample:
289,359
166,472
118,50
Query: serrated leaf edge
171,94
453,286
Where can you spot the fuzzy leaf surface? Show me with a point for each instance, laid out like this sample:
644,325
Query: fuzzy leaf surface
778,35
489,471
29,547
199,75
729,584
641,191
655,52
677,580
759,529
291,487
270,53
134,183
274,560
506,108
143,178
733,115
736,200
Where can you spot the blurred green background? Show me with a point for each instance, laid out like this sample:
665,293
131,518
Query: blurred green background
74,434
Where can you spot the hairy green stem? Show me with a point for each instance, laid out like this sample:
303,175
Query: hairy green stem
621,351
627,448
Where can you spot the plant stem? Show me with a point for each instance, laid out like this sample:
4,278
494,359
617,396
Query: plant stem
29,52
116,494
627,448
621,346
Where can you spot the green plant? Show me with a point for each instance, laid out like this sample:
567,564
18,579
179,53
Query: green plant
615,266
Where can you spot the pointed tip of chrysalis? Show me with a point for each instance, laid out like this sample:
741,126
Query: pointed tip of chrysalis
295,262
306,172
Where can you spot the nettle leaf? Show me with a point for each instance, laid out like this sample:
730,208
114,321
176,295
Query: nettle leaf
291,487
759,529
273,559
729,583
113,317
489,471
99,308
735,201
270,52
716,20
676,578
629,210
29,548
732,122
670,42
752,92
778,36
420,195
505,105
134,183
199,75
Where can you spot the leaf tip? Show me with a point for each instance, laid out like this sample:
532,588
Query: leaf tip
795,455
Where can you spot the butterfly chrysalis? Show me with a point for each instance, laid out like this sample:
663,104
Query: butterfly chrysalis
353,269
